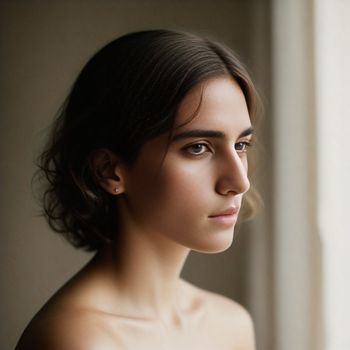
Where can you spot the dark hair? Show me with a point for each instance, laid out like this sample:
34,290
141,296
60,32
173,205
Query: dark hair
126,94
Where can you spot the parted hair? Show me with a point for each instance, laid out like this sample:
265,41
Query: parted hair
126,94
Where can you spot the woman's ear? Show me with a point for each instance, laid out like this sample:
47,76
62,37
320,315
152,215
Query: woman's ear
107,170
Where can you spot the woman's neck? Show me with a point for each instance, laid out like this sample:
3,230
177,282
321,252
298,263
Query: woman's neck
144,272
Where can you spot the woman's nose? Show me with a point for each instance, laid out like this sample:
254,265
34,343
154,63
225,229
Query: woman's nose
233,174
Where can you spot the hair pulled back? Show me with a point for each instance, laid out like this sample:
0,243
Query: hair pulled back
127,94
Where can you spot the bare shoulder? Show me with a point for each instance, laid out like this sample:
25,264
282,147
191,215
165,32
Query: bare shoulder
233,318
228,317
66,330
228,308
220,305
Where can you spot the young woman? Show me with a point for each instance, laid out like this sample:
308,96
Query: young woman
146,162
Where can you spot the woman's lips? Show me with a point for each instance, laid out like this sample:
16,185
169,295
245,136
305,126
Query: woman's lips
228,216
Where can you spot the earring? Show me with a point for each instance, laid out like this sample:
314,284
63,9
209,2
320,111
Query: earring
116,190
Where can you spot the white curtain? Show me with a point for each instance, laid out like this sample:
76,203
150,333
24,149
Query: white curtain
332,43
311,109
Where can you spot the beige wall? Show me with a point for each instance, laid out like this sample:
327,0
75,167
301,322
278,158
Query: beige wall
43,45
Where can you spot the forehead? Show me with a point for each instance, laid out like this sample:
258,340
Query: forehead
218,103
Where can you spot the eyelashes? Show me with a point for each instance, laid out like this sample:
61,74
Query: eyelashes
199,148
196,147
243,146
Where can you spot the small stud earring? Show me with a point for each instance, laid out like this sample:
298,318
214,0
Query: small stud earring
116,190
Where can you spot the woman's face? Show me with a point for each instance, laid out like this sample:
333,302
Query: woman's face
203,173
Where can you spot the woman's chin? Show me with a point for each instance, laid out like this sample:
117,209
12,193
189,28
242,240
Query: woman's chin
217,244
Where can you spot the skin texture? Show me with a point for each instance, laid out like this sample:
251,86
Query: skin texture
130,295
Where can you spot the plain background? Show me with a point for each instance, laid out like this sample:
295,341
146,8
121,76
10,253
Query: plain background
44,44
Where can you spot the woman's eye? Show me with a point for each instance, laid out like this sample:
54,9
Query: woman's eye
197,148
242,147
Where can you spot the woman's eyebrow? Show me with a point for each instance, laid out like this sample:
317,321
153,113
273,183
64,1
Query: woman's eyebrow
207,133
246,132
